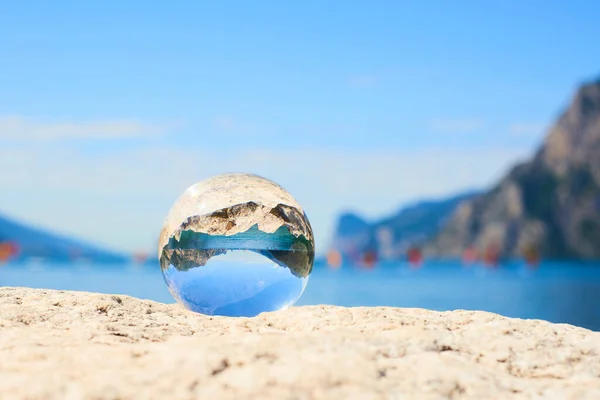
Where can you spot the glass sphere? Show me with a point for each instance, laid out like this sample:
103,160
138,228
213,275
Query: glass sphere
236,245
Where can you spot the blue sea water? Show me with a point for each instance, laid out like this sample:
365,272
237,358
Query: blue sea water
557,292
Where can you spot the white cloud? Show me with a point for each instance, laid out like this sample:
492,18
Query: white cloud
458,126
18,128
121,199
527,129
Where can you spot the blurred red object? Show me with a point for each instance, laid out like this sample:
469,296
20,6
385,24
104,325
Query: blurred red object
369,259
470,255
8,250
414,256
491,255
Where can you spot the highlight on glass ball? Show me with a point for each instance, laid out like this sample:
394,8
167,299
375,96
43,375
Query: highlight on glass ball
236,245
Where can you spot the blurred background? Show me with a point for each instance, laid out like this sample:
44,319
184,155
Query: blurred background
446,153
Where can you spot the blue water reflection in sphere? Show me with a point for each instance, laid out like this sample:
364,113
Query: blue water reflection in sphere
236,245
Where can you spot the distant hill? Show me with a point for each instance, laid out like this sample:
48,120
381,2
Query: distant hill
392,236
34,243
550,204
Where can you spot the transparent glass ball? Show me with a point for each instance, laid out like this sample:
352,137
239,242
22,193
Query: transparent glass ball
236,245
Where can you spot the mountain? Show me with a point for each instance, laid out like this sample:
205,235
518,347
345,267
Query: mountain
32,242
390,237
549,204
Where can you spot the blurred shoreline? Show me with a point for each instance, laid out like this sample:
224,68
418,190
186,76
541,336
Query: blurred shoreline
557,291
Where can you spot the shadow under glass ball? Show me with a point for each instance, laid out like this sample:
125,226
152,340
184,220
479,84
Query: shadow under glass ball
239,260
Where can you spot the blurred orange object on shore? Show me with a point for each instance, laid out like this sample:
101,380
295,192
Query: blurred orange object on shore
8,250
334,259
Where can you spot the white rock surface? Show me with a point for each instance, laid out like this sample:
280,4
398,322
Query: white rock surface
76,345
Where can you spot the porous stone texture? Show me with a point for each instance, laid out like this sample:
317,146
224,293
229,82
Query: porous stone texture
76,345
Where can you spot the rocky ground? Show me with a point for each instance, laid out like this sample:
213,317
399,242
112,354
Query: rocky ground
75,345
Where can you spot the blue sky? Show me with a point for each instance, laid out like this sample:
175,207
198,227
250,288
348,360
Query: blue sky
108,110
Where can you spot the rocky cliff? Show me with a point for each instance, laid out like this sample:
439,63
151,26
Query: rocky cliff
550,204
390,237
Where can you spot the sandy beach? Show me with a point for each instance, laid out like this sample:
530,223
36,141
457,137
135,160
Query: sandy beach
77,345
